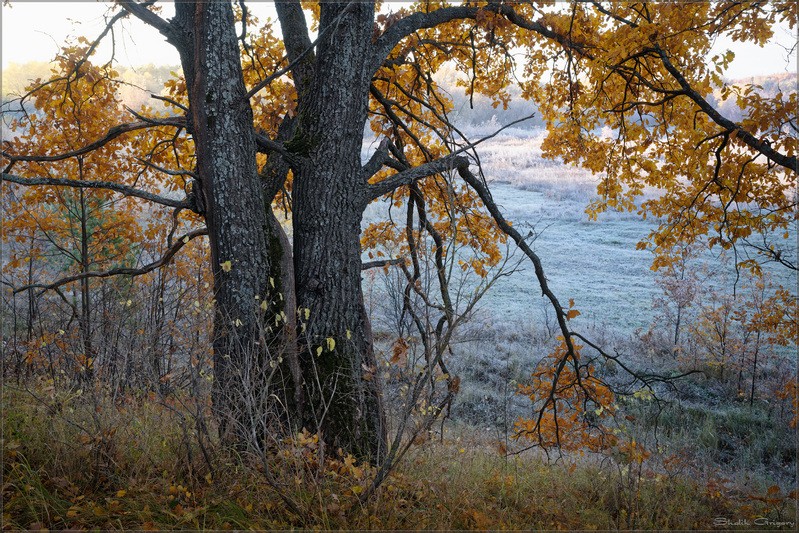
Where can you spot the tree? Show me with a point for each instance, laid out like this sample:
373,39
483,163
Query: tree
75,231
637,68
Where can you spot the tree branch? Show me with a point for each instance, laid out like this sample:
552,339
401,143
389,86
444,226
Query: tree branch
267,146
140,11
419,21
488,201
760,146
382,262
165,259
108,185
299,48
415,22
410,175
113,133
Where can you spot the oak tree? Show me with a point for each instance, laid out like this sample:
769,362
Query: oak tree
278,121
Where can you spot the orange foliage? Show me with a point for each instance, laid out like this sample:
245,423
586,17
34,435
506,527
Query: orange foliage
570,404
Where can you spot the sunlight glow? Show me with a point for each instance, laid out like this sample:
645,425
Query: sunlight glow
27,35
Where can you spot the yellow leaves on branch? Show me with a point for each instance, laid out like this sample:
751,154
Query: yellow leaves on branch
621,113
572,313
569,406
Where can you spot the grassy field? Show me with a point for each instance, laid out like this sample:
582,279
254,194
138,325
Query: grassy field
701,428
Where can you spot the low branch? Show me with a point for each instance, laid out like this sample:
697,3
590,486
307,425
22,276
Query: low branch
382,263
165,259
107,185
113,133
408,176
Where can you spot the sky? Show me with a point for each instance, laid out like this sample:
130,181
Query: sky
33,30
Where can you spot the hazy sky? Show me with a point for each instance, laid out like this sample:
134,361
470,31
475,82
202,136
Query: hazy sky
33,31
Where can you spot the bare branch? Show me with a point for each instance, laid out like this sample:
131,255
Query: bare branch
408,176
140,11
488,201
266,145
108,185
163,260
382,263
166,170
170,101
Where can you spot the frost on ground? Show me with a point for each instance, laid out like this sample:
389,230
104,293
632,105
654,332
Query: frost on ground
595,263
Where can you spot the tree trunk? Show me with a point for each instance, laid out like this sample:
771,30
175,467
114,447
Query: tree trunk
336,357
248,304
754,371
86,370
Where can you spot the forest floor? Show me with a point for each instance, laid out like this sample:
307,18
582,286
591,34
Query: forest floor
75,459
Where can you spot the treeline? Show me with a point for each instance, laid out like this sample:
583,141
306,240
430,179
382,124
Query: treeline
468,111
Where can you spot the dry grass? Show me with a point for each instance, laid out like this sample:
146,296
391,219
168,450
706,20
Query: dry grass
77,460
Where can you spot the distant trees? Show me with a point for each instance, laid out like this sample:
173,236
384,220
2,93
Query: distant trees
734,331
258,122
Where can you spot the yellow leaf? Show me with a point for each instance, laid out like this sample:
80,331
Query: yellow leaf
121,493
331,344
573,313
357,489
318,351
227,266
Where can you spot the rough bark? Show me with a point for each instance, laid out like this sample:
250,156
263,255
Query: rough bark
235,213
274,175
336,357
